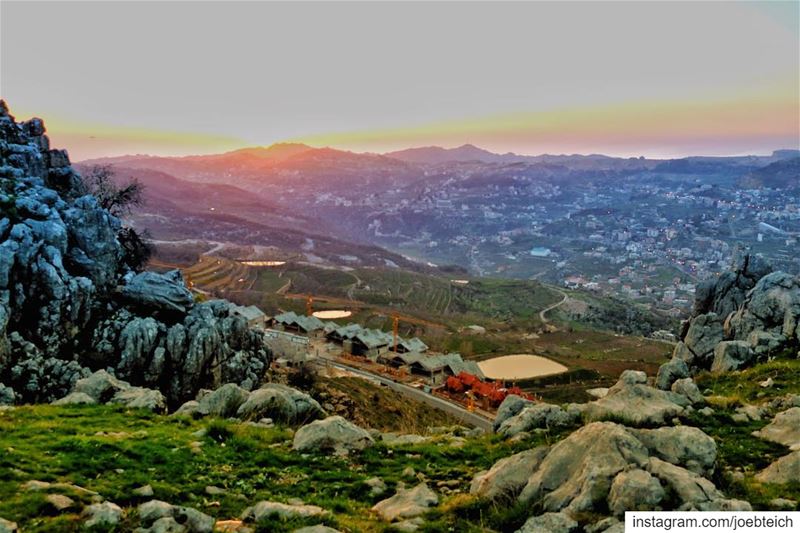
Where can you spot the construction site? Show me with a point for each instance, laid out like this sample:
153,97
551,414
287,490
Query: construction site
298,339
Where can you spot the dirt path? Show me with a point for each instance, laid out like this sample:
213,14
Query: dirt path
551,307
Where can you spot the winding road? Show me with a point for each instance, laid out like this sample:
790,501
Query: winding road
551,307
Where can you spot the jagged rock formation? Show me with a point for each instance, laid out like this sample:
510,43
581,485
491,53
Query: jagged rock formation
740,317
69,303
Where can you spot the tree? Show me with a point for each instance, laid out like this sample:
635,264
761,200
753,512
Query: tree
118,199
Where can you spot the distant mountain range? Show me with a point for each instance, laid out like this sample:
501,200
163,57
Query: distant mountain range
299,156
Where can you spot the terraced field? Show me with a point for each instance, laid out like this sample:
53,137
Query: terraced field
216,274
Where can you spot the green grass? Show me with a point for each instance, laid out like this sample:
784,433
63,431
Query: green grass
112,451
743,386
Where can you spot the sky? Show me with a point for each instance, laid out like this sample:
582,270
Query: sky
660,79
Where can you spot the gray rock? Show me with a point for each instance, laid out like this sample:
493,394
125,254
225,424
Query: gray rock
189,408
159,516
141,398
223,402
681,445
632,401
145,491
511,406
687,388
7,395
394,439
101,514
772,306
508,476
59,502
731,355
101,386
577,473
158,292
407,503
784,429
634,490
76,398
784,470
376,486
782,504
689,488
331,434
549,523
7,526
752,412
266,509
670,372
537,415
704,333
281,403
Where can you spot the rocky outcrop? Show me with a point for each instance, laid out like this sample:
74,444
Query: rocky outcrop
634,490
407,503
334,434
784,429
681,445
156,292
280,403
511,406
508,476
577,473
102,387
784,470
634,402
70,304
740,317
537,415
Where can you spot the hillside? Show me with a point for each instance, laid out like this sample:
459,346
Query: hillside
128,405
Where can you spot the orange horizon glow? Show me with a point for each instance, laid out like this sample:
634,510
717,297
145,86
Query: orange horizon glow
750,123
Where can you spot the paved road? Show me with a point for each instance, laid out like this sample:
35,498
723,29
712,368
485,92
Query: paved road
455,410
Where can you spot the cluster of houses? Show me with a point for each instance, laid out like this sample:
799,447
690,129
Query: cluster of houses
410,355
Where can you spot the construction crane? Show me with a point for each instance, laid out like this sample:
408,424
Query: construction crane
395,330
309,305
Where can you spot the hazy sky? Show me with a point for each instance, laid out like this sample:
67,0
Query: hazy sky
625,78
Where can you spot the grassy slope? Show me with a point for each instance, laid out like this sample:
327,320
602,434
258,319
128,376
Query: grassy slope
62,444
135,448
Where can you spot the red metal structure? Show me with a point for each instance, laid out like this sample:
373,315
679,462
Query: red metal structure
491,394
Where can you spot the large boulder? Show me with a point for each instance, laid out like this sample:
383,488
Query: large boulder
508,476
577,473
703,335
141,398
280,403
773,306
784,470
691,490
634,402
7,395
784,429
634,490
101,386
223,402
681,445
332,434
407,503
731,355
511,406
670,372
536,415
158,292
